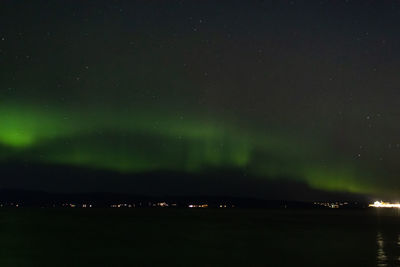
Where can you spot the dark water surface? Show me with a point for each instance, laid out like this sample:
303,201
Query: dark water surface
167,237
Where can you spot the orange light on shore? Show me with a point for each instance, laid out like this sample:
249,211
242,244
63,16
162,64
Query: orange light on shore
381,204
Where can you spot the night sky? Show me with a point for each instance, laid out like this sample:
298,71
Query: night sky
238,94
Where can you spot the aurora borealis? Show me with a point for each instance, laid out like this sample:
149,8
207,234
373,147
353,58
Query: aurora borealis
305,91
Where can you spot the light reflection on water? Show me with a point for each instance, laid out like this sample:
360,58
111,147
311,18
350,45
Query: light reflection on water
387,250
380,255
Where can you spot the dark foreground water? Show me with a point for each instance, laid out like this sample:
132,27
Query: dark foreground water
157,237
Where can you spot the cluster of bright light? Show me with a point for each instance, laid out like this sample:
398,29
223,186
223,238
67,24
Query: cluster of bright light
72,205
198,206
123,205
381,204
332,205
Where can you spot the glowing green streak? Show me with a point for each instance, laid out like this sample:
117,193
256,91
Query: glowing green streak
140,142
24,127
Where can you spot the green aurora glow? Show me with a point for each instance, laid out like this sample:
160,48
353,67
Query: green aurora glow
132,144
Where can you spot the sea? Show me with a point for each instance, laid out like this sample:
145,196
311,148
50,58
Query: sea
199,237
